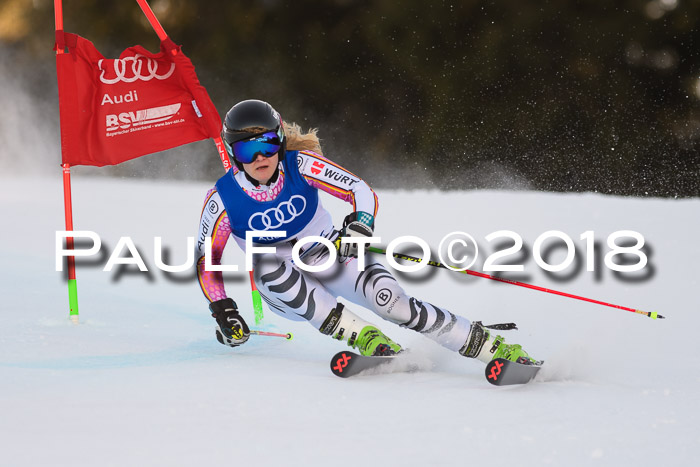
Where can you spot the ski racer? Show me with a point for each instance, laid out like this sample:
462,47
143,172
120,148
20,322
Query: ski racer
274,186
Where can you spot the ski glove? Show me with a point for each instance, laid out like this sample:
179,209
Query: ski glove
231,329
356,224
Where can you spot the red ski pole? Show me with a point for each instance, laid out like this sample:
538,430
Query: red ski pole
650,314
287,336
151,17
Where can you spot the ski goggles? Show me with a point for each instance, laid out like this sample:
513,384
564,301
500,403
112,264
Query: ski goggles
247,150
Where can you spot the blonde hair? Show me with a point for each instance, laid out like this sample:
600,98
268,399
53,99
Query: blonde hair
297,140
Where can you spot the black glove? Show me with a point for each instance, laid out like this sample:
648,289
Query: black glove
231,329
356,224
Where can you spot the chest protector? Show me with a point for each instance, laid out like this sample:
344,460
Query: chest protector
291,211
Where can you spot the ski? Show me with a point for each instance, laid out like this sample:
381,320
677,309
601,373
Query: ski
502,372
346,364
499,372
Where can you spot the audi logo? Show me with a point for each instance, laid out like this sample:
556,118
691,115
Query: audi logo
137,70
275,217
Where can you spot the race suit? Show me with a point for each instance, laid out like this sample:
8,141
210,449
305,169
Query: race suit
291,203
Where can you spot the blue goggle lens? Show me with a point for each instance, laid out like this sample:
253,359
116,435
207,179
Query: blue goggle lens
247,150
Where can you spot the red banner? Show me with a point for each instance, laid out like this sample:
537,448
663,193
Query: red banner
114,110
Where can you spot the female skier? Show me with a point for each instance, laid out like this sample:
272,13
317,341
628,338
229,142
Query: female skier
274,187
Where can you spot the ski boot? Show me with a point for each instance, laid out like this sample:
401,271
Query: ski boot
343,324
485,346
372,341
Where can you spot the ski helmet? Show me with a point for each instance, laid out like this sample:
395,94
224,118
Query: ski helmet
253,127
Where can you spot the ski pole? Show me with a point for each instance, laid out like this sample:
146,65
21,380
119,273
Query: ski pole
650,314
257,301
287,336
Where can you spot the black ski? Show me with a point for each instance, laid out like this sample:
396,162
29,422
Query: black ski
499,372
345,364
502,372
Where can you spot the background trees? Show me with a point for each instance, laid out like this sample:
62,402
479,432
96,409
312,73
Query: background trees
589,95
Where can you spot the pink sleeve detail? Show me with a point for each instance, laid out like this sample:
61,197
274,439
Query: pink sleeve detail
212,282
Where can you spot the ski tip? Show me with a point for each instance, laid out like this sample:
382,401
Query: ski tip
502,372
340,362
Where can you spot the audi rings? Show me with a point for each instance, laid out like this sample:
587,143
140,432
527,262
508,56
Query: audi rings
284,213
120,70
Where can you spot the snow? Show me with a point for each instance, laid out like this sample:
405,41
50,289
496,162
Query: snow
141,380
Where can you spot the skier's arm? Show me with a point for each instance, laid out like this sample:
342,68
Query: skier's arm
335,180
328,176
214,223
231,328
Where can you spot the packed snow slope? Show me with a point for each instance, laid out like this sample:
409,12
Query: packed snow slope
142,381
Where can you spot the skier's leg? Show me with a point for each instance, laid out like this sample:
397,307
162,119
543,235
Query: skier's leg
377,289
290,293
298,295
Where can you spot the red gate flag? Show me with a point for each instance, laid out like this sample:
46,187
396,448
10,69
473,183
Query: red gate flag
114,110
